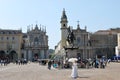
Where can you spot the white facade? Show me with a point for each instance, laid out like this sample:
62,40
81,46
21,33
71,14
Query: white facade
117,48
35,44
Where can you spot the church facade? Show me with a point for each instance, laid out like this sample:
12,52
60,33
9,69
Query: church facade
35,44
81,40
89,45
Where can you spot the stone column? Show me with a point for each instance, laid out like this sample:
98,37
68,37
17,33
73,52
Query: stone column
39,55
25,54
42,54
30,55
45,54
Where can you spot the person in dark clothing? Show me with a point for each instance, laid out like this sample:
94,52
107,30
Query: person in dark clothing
49,65
59,64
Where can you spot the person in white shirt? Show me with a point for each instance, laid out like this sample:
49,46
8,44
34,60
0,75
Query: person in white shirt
74,73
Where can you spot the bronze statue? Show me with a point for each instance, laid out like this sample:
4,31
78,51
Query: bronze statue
70,37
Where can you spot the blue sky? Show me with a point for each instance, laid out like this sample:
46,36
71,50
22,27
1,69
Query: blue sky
95,14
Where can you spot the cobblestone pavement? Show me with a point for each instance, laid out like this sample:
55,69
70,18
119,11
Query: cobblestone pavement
34,71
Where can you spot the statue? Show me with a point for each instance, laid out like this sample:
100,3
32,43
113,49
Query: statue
70,37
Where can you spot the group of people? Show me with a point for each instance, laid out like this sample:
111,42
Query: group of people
4,62
55,64
99,63
21,61
96,63
93,63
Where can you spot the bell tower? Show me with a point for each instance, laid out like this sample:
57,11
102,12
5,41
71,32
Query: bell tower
64,26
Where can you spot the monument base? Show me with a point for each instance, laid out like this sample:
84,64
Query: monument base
71,52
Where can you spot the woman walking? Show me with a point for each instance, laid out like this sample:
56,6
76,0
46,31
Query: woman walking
74,73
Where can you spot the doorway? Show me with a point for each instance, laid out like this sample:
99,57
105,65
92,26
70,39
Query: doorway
2,54
35,57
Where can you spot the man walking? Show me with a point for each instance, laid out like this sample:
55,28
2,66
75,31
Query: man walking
49,65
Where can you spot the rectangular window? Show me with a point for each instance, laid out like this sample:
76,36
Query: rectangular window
7,38
13,38
1,38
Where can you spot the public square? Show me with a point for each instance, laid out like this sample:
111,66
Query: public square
34,71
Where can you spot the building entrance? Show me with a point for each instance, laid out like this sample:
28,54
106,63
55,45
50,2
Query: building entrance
2,54
12,56
35,57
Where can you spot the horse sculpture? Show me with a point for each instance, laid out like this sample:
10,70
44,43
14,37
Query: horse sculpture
70,37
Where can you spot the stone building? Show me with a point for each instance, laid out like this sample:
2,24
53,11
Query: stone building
90,45
103,43
117,48
32,45
81,41
35,44
10,44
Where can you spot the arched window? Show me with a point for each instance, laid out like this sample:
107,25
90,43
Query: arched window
36,41
7,38
78,40
13,38
1,38
64,25
41,39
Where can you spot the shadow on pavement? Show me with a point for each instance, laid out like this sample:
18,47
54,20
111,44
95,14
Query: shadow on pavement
80,77
83,77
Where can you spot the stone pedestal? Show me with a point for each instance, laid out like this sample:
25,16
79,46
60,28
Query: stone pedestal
71,52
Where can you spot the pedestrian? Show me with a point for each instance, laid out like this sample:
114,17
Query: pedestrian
19,61
49,64
59,64
74,73
1,62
